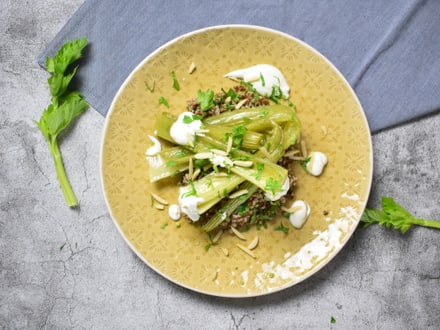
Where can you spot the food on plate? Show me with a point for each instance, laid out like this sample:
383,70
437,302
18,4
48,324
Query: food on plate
234,151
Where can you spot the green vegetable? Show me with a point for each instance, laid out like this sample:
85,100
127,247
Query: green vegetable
332,320
206,99
164,101
394,215
64,108
282,228
176,85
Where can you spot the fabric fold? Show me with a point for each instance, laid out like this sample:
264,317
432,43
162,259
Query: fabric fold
389,51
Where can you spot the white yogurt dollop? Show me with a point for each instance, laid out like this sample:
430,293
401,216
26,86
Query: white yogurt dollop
188,205
284,189
174,212
185,128
299,217
155,148
317,162
263,77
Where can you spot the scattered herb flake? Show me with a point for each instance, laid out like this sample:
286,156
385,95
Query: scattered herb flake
163,101
164,225
263,83
205,99
282,228
273,185
176,85
62,247
332,320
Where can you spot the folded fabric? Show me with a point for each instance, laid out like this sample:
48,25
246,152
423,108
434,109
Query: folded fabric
389,51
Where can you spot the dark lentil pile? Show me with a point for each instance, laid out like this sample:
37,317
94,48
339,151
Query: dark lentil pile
257,210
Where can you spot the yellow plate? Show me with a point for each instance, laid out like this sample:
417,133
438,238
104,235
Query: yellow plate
333,123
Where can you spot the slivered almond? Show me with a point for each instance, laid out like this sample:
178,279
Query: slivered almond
246,250
217,236
303,148
238,234
196,174
215,275
240,104
159,206
238,193
192,67
291,209
291,153
201,131
253,79
253,244
224,250
243,163
219,152
159,199
203,155
229,147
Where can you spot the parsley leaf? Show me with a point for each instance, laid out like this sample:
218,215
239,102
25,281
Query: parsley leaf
273,185
163,101
65,106
282,228
176,85
205,99
190,119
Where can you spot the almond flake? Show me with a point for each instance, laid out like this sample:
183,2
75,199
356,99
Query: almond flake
246,250
159,199
238,234
253,244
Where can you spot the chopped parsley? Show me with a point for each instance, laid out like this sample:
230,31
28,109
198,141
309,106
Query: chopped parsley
163,101
332,320
263,83
192,191
176,85
171,163
205,99
238,133
273,185
190,119
260,168
164,225
282,228
304,164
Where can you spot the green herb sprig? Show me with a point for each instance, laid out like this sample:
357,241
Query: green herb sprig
393,215
65,106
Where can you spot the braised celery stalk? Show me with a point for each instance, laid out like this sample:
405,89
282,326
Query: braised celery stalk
64,108
168,162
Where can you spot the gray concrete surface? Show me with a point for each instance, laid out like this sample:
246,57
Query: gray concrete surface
381,279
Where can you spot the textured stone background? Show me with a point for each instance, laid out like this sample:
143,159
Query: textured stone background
381,279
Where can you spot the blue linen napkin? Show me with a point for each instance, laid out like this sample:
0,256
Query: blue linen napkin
389,51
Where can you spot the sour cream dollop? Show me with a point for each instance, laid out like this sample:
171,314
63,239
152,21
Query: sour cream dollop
317,162
174,212
188,205
263,77
155,148
299,217
284,189
185,128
